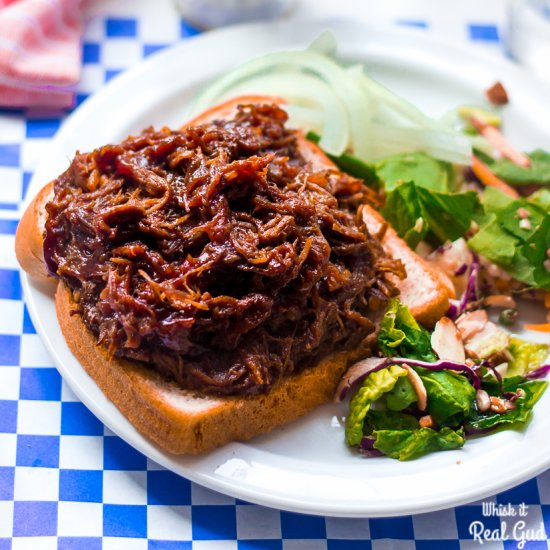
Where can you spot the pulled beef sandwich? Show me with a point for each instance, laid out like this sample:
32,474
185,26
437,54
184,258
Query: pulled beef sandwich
217,280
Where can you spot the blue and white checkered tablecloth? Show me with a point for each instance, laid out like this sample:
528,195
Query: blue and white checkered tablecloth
65,480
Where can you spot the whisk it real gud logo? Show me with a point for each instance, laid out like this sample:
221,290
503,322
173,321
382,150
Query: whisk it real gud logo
515,525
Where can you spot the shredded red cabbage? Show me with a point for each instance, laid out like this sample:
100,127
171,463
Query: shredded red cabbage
538,373
469,430
495,372
461,270
471,294
454,309
366,447
357,373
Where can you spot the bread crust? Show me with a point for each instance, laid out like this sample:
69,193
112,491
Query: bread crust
181,421
29,237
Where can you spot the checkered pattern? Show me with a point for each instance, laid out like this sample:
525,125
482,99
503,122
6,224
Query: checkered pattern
65,480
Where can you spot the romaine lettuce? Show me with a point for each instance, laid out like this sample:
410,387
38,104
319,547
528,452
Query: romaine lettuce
538,172
523,405
401,396
518,250
373,387
417,213
541,198
401,336
418,167
526,356
389,420
408,444
450,396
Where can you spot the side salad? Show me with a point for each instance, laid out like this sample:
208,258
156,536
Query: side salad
424,395
467,201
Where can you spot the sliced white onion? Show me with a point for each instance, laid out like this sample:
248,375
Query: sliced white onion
325,44
399,126
304,91
305,61
351,111
384,96
385,114
308,119
452,121
443,145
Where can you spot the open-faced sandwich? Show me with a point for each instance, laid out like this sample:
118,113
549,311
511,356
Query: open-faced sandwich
217,280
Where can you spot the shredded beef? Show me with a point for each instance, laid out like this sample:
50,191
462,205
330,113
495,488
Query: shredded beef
215,254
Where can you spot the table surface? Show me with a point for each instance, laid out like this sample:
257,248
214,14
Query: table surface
66,481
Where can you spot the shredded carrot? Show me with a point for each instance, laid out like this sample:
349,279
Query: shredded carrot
493,135
481,170
542,327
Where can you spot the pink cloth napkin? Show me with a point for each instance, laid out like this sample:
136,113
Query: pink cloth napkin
39,52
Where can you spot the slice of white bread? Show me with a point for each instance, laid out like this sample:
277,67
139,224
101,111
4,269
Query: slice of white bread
182,421
30,236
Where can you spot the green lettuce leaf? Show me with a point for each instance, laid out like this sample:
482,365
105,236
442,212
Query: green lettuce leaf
401,336
404,211
450,396
529,266
448,215
541,198
494,200
409,444
491,386
417,213
493,242
521,252
538,172
423,170
526,356
389,420
373,387
402,395
510,221
533,391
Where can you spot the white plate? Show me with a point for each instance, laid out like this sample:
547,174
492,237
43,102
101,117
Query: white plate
306,466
